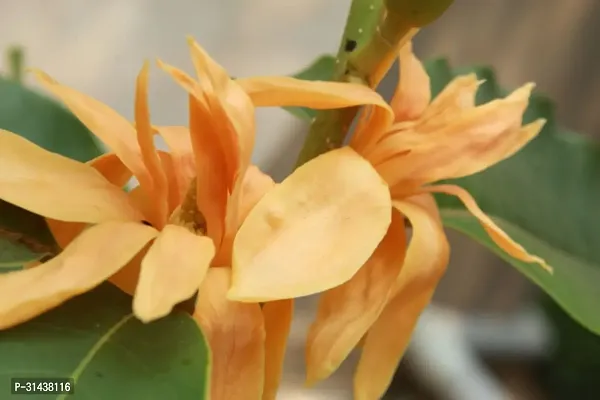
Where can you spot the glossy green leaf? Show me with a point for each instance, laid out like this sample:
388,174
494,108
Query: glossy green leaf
95,340
546,198
25,236
320,70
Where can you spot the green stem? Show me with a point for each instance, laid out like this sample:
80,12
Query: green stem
375,29
329,128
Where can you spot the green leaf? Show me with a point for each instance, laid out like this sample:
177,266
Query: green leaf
546,198
320,70
25,236
110,354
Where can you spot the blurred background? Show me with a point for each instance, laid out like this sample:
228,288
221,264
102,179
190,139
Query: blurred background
490,334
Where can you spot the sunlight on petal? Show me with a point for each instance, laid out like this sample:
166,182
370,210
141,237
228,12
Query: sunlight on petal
278,321
290,244
496,233
345,313
89,260
425,263
104,122
412,94
57,187
235,333
171,271
457,96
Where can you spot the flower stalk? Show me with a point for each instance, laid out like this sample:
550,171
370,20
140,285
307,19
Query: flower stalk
375,30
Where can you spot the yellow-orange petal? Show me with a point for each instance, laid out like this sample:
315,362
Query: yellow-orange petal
171,271
57,187
112,168
458,95
345,313
496,233
90,259
182,157
425,262
313,231
468,144
235,333
278,321
145,136
255,185
104,122
413,93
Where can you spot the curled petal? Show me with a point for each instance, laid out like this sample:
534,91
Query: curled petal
236,334
345,313
57,187
425,262
282,91
89,260
413,93
104,122
171,271
290,243
498,235
278,321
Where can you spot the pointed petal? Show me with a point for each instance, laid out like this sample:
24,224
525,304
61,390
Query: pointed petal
182,157
425,262
104,122
57,187
471,143
89,260
211,172
496,233
145,137
458,95
278,321
282,91
345,313
413,93
290,245
171,272
235,333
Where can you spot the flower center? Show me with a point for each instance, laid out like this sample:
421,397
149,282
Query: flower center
188,215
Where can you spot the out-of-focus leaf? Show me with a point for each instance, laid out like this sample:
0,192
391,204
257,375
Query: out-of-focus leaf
25,236
95,340
546,197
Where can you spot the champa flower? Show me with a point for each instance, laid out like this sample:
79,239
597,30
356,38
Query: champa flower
158,241
301,237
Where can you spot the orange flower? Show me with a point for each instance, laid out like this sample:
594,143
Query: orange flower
331,225
158,241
